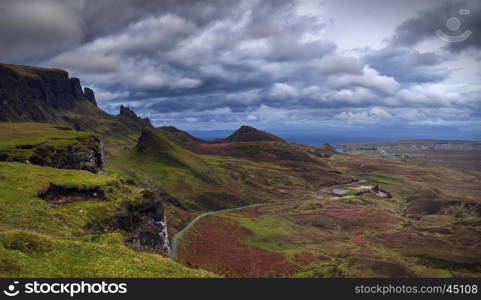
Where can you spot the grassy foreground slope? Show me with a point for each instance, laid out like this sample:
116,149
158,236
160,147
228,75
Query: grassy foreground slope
40,238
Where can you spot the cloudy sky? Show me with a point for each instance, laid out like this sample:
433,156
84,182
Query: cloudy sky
274,64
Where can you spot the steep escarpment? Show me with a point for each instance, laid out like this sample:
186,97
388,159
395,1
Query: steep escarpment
47,95
38,94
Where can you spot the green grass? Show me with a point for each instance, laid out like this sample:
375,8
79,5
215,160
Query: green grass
354,192
321,270
382,179
271,233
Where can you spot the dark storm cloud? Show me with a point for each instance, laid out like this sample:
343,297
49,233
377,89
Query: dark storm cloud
408,65
259,44
109,16
31,30
34,29
426,23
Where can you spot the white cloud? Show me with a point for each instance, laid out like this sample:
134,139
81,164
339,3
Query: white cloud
283,91
335,64
369,79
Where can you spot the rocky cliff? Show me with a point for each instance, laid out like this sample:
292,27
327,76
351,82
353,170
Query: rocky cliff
38,94
86,154
145,225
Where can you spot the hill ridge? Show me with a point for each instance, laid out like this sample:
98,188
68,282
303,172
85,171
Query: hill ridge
250,134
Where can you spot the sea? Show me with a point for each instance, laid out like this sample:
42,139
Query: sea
337,137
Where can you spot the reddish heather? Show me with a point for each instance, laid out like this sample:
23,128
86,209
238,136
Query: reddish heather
215,246
358,240
351,217
455,251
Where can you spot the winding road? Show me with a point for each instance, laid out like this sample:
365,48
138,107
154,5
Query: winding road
173,247
175,238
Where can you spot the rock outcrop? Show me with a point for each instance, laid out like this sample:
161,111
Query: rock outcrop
89,94
129,118
145,225
86,154
38,94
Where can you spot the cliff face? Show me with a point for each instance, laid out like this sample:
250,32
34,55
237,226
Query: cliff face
145,225
86,154
38,94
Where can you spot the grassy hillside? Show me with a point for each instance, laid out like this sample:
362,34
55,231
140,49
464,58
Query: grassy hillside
27,254
159,163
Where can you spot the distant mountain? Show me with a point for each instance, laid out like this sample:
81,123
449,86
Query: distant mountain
251,134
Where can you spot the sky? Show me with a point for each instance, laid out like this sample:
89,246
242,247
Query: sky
357,66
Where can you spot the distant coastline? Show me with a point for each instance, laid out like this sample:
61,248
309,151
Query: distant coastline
319,139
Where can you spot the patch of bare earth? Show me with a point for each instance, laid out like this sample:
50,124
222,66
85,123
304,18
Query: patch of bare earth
57,195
